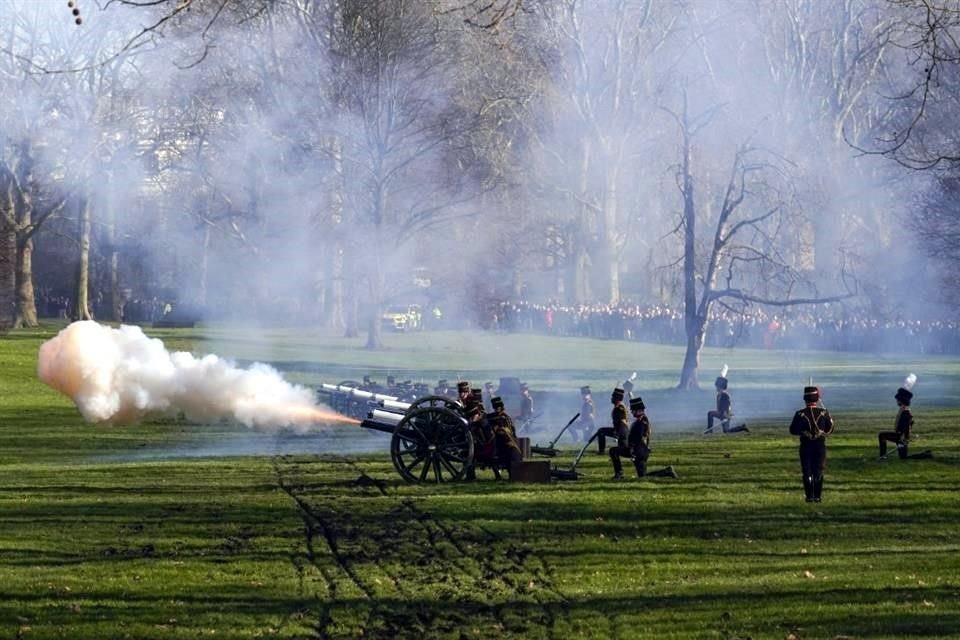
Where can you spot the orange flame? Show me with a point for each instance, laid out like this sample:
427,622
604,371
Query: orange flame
319,415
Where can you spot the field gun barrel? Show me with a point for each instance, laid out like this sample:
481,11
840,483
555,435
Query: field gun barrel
396,405
381,420
356,393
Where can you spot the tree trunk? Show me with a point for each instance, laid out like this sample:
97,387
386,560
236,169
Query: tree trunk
26,302
610,217
113,264
81,307
26,314
691,360
8,282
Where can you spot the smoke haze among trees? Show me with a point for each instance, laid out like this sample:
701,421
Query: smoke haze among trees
316,161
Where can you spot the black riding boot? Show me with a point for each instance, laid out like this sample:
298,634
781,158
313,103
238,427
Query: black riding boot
817,489
808,488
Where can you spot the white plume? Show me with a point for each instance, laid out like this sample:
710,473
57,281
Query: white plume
909,381
120,376
723,370
633,376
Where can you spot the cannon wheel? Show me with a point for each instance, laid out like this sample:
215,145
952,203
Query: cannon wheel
432,444
435,402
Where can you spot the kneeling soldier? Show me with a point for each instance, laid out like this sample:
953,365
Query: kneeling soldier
637,445
903,425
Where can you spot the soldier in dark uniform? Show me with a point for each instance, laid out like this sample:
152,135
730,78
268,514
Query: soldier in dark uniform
636,445
476,397
813,425
586,424
724,411
463,392
488,394
483,437
442,388
903,425
526,407
619,428
508,449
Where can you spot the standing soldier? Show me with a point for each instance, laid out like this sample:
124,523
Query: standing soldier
526,407
508,449
587,423
488,394
724,411
637,445
812,424
903,424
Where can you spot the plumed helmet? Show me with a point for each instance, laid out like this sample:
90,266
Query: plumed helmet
811,394
636,404
903,396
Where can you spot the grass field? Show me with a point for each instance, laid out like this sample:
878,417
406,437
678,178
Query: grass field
154,531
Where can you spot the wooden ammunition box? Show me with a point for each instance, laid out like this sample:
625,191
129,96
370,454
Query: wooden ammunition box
530,471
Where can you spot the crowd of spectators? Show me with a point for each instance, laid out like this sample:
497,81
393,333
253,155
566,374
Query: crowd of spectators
824,327
811,327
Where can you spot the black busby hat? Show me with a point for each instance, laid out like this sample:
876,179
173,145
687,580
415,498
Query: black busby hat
903,396
585,390
720,382
617,395
811,394
904,393
636,404
497,402
463,385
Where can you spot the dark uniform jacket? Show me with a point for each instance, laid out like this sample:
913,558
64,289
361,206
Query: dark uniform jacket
811,423
639,440
904,424
723,404
621,429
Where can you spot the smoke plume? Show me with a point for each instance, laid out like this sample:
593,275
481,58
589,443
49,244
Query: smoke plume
120,376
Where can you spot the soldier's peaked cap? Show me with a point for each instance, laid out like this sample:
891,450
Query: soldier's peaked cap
811,394
617,394
463,385
904,395
636,404
720,382
497,402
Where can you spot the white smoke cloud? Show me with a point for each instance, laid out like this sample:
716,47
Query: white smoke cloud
120,376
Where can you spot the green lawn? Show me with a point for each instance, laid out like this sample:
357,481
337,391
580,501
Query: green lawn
140,532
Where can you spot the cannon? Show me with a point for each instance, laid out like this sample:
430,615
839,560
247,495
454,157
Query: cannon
431,439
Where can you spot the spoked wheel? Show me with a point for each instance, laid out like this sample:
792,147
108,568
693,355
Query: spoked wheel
432,444
435,402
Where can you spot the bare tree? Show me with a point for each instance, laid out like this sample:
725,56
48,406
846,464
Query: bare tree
746,258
